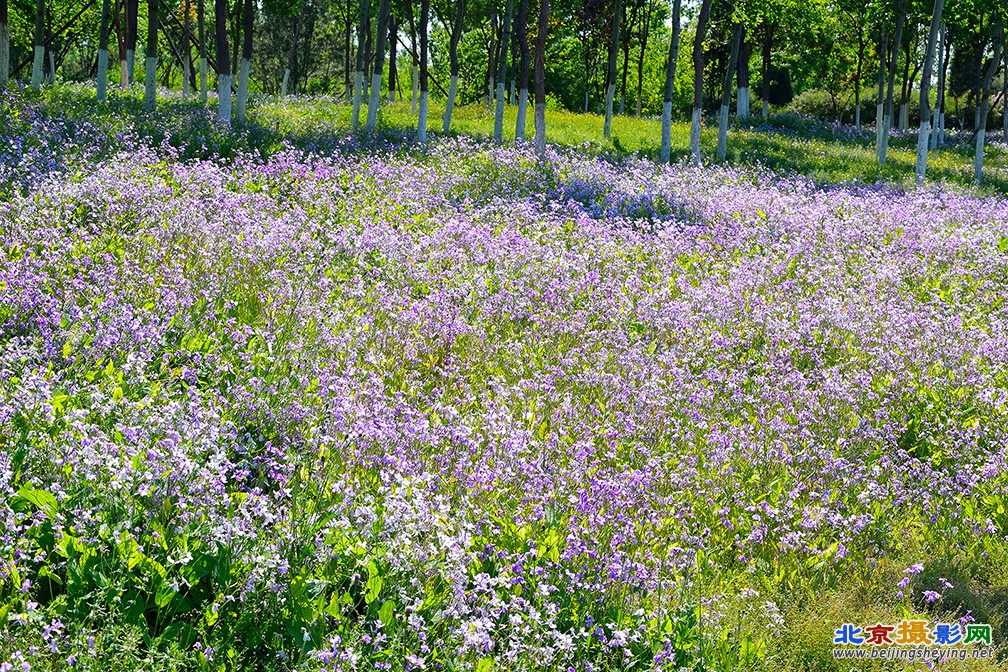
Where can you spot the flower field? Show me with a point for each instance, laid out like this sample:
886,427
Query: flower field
388,409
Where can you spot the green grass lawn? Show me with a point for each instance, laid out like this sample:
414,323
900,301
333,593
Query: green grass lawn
823,152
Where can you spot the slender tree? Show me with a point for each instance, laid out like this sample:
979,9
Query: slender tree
4,45
698,70
925,91
384,6
132,33
201,24
292,62
887,115
151,60
223,62
186,48
393,41
365,9
880,95
422,116
456,35
742,109
1004,97
936,113
614,45
985,102
722,143
38,61
670,69
644,34
521,35
241,101
769,28
102,79
502,71
540,78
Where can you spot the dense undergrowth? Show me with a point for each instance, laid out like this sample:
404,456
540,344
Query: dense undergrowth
278,400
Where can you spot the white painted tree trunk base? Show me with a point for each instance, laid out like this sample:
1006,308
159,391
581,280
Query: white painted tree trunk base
358,83
695,129
499,115
422,119
123,74
609,95
884,141
722,136
522,110
101,80
742,108
450,104
37,62
224,98
130,66
923,137
878,128
766,109
241,102
52,67
978,159
283,83
539,116
150,82
186,75
373,102
857,117
904,117
666,133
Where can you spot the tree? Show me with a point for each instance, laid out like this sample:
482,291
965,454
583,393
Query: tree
456,35
39,55
103,36
223,63
132,23
200,22
883,55
393,40
887,114
925,91
246,62
611,76
670,69
698,70
985,101
722,146
424,75
384,7
151,60
4,45
359,72
521,35
502,72
742,103
540,78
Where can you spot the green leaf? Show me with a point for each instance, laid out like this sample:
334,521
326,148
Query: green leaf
485,665
387,612
164,595
374,586
41,499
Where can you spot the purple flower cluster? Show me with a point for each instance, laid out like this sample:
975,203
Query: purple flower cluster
468,405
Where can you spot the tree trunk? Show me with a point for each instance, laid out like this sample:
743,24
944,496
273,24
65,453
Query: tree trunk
384,7
393,41
491,50
939,109
4,45
223,62
246,62
365,9
415,72
132,30
698,71
925,92
880,95
38,62
292,63
857,78
201,26
151,60
1004,99
348,29
742,107
422,117
985,104
540,79
456,35
626,64
611,76
887,116
768,31
186,49
521,35
102,78
670,69
722,144
905,88
502,71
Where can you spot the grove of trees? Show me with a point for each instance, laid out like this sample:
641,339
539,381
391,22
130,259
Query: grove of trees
925,65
